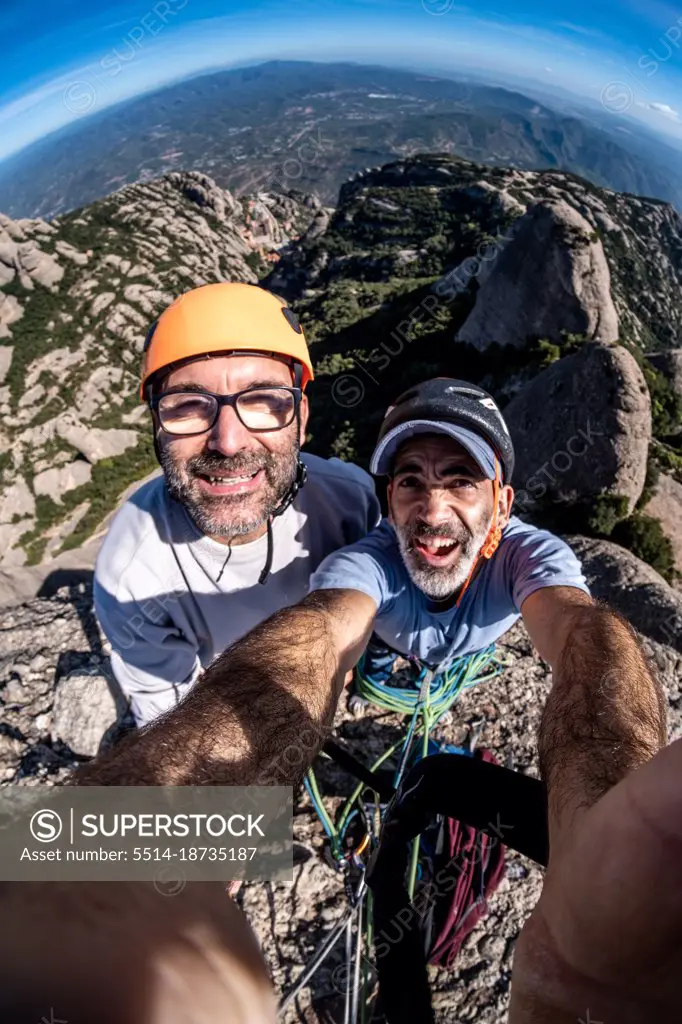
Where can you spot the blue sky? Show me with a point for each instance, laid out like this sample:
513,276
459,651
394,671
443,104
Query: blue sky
63,61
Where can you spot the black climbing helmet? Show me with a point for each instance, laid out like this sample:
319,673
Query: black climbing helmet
447,406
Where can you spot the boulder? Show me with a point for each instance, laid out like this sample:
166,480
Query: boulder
57,362
581,429
31,396
96,443
67,250
151,300
632,588
39,265
84,711
56,481
102,387
666,506
11,228
550,276
10,310
101,301
670,365
203,191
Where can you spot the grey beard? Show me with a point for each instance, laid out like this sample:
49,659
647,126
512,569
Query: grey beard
441,583
210,515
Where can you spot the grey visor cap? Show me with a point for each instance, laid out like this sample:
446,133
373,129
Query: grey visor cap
478,449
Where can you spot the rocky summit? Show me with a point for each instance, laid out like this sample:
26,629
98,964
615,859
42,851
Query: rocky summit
562,299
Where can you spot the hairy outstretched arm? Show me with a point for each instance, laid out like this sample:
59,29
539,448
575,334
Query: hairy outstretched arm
260,713
606,712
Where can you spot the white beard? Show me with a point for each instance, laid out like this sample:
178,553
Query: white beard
441,583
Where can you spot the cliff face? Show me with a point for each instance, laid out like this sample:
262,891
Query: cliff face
428,265
439,215
76,300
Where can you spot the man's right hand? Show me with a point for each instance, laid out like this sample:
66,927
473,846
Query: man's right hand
270,700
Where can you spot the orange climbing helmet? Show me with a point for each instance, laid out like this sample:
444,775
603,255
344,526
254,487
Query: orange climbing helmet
224,317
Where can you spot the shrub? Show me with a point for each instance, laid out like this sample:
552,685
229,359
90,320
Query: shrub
644,536
666,404
653,474
668,458
605,512
597,517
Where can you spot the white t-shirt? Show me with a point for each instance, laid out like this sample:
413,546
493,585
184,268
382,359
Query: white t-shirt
162,601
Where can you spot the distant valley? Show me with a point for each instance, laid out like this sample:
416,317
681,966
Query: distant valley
308,126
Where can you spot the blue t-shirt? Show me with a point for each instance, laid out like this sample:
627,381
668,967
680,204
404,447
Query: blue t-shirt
526,560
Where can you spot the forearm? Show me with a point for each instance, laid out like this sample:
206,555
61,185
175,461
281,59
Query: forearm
605,714
258,715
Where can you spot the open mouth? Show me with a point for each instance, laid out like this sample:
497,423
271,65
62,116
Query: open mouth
221,484
438,551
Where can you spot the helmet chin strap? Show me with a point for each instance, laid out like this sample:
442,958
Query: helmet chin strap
299,481
493,536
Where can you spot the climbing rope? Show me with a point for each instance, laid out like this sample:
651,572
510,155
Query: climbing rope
429,697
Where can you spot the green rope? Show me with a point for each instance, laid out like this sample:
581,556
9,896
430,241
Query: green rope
423,708
319,806
426,706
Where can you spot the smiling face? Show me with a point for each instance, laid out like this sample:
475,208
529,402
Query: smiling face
441,506
230,478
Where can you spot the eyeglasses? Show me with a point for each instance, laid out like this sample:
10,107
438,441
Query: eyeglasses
194,412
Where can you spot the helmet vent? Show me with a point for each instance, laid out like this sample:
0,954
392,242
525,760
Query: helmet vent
150,335
292,319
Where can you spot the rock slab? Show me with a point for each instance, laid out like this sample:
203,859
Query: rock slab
551,276
633,588
582,429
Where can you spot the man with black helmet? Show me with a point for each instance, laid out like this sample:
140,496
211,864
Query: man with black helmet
450,569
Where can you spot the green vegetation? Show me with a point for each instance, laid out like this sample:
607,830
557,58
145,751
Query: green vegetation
48,512
666,405
109,478
652,477
257,264
543,352
644,537
31,335
597,517
603,515
668,459
607,517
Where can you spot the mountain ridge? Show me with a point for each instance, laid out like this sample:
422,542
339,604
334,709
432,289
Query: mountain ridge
77,296
246,122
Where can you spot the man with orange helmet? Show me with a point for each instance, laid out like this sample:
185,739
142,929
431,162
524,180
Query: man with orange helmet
229,534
